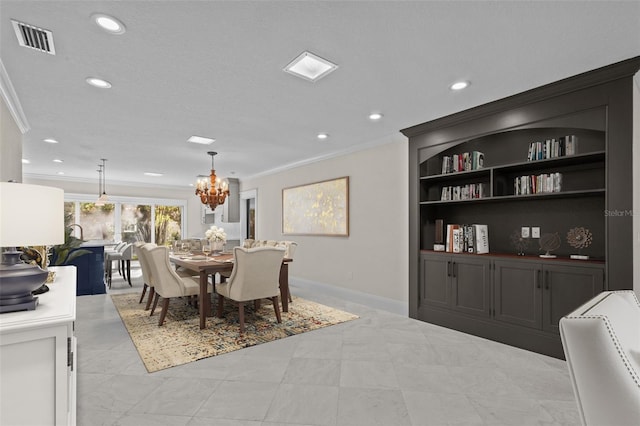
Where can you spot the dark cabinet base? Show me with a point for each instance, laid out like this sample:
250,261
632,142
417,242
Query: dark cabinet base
511,299
520,337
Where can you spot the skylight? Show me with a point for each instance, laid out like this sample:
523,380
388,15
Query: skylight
201,140
310,67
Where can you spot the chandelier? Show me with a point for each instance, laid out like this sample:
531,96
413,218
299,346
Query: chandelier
214,192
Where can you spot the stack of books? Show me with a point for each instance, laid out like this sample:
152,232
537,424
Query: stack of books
540,184
467,239
552,148
462,162
465,192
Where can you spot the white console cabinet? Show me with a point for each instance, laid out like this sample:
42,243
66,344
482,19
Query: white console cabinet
37,358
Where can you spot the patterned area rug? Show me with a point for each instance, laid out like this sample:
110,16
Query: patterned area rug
180,340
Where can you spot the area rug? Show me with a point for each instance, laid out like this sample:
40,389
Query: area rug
180,340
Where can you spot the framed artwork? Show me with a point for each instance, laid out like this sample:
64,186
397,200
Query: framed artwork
320,208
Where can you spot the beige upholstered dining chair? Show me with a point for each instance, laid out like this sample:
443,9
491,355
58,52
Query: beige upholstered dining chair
142,250
289,250
166,281
255,275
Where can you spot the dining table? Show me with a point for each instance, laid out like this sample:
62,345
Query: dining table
223,262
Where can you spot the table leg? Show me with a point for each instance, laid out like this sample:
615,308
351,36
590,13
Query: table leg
284,287
205,302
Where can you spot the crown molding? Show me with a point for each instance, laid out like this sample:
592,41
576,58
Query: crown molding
11,99
392,138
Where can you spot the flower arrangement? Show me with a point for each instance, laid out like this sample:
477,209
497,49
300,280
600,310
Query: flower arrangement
215,234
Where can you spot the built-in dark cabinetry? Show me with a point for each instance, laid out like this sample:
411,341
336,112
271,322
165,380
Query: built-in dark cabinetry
520,299
537,294
460,283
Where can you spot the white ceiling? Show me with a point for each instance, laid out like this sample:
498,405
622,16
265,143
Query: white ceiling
214,69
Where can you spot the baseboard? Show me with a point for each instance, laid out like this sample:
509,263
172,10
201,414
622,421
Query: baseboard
371,300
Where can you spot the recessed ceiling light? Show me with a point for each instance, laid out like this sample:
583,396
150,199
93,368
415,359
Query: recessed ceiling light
50,140
459,85
323,135
98,82
374,116
201,140
60,173
152,174
310,67
109,23
25,161
57,160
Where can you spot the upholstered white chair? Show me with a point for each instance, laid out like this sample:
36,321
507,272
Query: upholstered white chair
166,281
142,249
289,250
601,341
255,275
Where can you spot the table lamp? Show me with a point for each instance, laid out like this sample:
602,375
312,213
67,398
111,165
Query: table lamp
29,215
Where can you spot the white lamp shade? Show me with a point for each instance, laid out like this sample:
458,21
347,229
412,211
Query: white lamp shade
30,215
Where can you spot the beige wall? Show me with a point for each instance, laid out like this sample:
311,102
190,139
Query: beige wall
10,146
373,259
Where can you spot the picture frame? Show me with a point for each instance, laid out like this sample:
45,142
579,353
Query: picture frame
318,208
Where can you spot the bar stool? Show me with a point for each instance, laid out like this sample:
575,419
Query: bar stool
123,257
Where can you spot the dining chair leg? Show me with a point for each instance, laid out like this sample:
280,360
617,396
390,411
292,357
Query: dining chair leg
163,314
241,316
152,292
220,302
129,273
276,307
144,291
155,303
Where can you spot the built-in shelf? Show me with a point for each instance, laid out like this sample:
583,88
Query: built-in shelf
501,296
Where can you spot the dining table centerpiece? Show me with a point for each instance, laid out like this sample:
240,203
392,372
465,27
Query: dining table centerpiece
217,237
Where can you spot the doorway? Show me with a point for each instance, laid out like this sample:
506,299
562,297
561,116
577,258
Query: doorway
248,214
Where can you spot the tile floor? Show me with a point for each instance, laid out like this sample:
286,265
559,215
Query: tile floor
382,369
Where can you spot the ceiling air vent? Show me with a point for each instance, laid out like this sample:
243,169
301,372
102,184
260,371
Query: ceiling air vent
34,37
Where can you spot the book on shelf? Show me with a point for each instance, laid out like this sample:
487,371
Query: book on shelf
469,191
482,238
467,238
477,160
537,184
466,161
552,148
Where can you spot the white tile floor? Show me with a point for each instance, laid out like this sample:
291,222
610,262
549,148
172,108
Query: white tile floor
382,369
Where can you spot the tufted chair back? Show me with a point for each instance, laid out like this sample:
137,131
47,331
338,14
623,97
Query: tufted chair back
166,281
256,273
601,341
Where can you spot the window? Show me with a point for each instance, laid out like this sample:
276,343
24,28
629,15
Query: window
168,221
98,222
135,222
126,218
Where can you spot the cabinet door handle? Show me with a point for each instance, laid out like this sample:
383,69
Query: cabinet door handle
453,270
448,268
546,280
538,279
